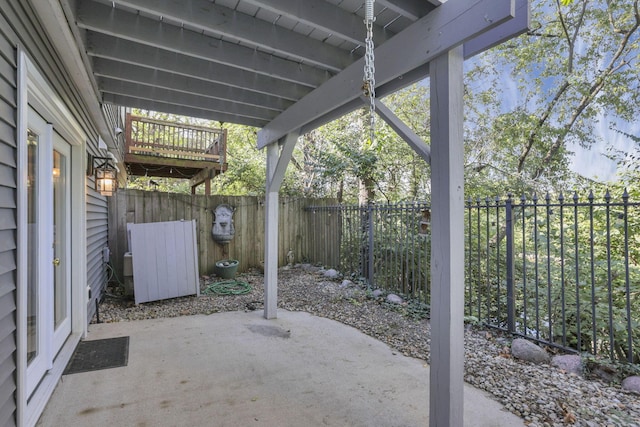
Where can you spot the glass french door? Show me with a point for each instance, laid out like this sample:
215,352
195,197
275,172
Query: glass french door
61,242
38,250
48,247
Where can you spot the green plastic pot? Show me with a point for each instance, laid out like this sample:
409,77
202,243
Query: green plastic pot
226,268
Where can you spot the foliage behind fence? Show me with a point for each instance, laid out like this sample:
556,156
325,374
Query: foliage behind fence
564,271
388,245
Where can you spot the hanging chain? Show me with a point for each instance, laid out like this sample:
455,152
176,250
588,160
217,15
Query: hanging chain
369,85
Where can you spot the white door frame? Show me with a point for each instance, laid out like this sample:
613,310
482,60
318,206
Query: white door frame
33,90
42,362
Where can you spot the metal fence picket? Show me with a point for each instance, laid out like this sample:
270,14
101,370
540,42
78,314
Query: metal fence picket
556,271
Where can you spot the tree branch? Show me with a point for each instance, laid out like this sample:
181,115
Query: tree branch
541,121
595,88
571,40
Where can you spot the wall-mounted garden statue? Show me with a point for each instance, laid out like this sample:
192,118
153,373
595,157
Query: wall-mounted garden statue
223,230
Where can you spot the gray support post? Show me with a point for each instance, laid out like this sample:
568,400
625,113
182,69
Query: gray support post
277,161
271,239
447,253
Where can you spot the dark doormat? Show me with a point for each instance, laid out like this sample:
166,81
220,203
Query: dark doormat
99,354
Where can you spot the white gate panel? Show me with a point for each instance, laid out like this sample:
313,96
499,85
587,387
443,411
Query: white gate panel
165,260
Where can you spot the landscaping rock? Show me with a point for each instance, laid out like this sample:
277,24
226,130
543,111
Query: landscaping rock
526,350
569,363
394,299
309,267
328,287
346,283
331,274
605,373
632,384
377,293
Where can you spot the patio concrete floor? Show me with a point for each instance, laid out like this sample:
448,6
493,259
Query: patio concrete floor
239,369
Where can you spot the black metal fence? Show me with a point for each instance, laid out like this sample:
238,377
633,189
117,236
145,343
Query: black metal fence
561,271
388,245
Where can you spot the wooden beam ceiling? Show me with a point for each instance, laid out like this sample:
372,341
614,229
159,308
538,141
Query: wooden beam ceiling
448,26
280,65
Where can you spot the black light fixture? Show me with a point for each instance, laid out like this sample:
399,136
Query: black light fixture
105,174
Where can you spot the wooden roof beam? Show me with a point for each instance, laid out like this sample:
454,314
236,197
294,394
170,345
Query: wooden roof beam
325,16
448,26
105,19
226,22
410,9
505,31
128,52
182,110
154,93
157,78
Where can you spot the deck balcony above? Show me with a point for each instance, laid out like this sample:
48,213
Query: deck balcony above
157,148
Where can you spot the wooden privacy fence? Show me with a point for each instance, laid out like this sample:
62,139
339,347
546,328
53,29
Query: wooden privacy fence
247,246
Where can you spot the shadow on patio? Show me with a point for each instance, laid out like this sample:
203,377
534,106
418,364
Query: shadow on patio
238,369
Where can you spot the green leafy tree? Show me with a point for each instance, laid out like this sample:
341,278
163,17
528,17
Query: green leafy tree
246,171
340,161
578,62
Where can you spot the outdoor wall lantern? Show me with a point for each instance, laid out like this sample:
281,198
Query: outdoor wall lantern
105,174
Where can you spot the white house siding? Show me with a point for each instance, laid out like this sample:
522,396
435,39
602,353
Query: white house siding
19,26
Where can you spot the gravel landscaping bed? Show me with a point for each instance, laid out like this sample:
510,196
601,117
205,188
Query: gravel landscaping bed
539,393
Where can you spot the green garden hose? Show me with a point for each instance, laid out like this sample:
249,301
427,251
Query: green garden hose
228,287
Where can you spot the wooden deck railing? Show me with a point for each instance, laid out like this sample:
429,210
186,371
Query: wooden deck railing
145,136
